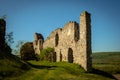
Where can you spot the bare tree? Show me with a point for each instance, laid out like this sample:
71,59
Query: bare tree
9,38
16,51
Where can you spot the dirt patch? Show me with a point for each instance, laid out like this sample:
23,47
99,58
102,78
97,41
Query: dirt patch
117,76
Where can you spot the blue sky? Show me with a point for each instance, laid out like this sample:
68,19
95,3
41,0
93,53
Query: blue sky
25,17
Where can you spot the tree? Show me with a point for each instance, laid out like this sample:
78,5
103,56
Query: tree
4,17
16,50
9,38
27,51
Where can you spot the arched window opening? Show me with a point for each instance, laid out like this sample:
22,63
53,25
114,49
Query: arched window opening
56,39
54,57
60,56
76,33
41,42
70,55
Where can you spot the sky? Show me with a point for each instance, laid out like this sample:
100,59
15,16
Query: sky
25,17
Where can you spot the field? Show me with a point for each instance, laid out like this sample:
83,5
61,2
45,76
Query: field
107,61
104,66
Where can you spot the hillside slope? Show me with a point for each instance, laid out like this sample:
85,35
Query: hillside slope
11,66
44,70
104,64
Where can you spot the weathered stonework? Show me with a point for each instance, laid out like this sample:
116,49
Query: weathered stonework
71,43
2,33
38,43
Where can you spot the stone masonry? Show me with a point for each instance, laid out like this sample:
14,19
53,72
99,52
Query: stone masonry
72,43
2,33
38,43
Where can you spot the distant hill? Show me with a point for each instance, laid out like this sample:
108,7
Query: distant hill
106,57
107,61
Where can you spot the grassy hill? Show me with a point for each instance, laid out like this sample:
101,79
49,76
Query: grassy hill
104,64
60,71
11,66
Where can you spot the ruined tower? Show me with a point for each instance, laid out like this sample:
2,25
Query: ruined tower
85,41
2,33
38,43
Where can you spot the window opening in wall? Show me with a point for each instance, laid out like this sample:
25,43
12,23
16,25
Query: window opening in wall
76,33
60,56
70,55
54,57
41,42
56,39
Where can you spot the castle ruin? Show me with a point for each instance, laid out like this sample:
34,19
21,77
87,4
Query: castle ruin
2,33
38,43
72,43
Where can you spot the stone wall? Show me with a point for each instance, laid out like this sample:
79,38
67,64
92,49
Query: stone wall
38,43
2,33
85,41
73,43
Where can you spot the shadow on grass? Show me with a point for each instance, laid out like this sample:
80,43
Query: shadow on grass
102,73
95,71
41,66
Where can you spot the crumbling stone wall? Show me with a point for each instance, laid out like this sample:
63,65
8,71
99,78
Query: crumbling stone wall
85,41
2,33
38,43
72,43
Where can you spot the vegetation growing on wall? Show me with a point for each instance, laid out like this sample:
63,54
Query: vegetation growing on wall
47,54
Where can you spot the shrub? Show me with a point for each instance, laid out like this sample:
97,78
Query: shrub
7,50
27,51
37,57
48,54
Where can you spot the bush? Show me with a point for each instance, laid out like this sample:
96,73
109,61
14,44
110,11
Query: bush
48,54
27,51
7,50
37,57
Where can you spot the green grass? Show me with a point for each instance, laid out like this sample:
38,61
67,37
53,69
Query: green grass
104,64
59,71
11,66
106,57
107,61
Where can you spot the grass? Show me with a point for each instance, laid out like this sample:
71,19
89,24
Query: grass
107,61
59,71
106,57
104,65
11,66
